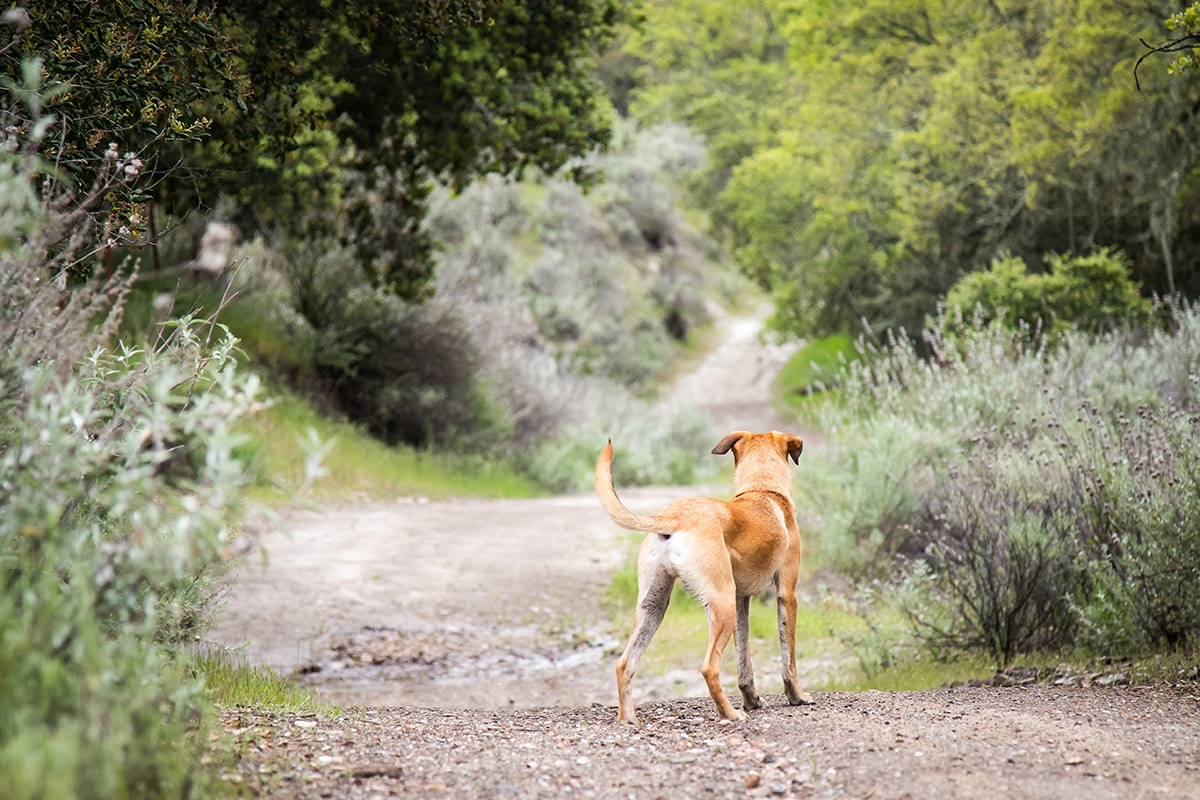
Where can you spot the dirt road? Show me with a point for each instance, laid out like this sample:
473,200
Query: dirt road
471,639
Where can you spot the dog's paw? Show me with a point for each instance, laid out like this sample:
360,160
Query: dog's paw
751,701
799,697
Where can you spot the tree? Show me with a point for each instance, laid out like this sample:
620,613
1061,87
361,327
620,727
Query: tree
723,69
501,88
287,106
924,138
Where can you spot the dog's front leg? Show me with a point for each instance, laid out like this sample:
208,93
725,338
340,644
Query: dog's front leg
787,643
750,699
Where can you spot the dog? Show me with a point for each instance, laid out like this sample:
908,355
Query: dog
724,552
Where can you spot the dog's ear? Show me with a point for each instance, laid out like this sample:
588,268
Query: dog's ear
795,446
729,441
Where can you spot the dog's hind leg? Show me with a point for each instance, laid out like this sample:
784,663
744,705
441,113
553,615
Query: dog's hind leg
654,594
750,699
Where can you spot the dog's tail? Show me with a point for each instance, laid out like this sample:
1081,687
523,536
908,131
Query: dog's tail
613,505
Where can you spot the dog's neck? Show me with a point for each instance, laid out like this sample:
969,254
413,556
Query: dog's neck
761,470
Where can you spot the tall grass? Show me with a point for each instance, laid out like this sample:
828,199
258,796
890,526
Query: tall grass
232,682
1039,493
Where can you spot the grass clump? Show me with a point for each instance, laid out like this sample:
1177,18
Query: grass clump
233,682
815,369
280,440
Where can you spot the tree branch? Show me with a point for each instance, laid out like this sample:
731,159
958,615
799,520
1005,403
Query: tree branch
1189,42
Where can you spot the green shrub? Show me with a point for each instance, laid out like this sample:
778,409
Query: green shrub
1093,293
1142,585
406,372
115,485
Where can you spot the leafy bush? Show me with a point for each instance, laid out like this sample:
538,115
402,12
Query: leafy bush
117,481
1141,589
406,372
1092,293
1051,492
115,484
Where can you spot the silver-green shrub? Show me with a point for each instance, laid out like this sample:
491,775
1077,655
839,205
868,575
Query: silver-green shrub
117,483
1050,487
578,302
118,493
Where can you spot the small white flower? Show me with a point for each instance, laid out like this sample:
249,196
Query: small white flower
111,153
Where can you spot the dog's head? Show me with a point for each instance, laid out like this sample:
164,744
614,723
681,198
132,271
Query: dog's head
742,442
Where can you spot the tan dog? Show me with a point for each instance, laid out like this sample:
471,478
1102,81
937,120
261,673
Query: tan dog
725,552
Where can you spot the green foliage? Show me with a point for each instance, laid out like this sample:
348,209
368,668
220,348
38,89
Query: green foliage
489,87
1090,293
1185,26
357,465
114,483
1050,493
977,130
719,68
407,373
136,73
274,108
815,368
117,483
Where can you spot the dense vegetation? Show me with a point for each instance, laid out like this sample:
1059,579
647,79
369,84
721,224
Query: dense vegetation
551,315
865,157
118,490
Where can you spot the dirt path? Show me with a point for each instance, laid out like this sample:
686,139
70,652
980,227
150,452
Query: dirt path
470,637
1028,743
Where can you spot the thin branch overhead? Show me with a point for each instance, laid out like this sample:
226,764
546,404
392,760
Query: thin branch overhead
1190,42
